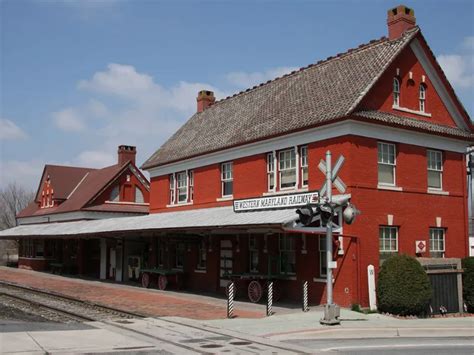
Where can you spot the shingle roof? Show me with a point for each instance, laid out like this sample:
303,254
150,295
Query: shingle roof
404,121
316,94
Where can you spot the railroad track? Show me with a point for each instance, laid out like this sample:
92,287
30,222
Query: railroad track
58,307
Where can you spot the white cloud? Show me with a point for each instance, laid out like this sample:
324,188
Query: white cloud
96,159
25,173
69,120
10,131
245,80
459,67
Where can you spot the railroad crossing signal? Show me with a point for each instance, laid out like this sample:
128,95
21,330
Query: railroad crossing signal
337,181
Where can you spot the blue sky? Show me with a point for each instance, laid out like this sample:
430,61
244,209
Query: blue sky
78,78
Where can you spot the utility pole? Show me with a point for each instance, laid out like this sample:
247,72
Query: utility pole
331,311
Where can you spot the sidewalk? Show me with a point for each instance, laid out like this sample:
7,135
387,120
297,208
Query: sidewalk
148,302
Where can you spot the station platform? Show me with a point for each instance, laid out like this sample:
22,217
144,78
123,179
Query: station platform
147,302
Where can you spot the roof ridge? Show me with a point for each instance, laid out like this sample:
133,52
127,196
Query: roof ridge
319,63
69,166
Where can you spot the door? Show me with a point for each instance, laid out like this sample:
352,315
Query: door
225,261
445,292
113,263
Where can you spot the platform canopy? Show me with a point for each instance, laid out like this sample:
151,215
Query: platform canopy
198,219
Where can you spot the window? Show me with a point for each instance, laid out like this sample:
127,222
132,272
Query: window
287,255
396,92
191,186
172,190
227,179
139,195
287,160
202,257
386,163
161,253
435,169
182,186
39,249
422,97
388,242
323,261
271,171
253,253
180,248
115,194
437,246
304,166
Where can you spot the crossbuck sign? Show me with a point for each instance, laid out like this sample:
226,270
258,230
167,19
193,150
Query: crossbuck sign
338,183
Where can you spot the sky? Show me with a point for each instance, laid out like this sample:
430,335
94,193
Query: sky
80,77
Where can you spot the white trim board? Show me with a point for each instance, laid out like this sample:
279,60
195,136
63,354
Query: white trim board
338,129
73,216
437,83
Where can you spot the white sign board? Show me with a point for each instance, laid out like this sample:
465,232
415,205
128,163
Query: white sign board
420,246
276,202
371,282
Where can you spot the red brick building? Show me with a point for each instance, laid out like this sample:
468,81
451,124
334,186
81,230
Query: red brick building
67,193
388,115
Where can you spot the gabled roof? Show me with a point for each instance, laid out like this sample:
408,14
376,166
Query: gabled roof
78,196
327,91
316,94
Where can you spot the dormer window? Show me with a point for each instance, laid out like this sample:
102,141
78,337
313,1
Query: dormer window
422,97
396,92
115,194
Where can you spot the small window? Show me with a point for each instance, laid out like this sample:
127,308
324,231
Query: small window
253,254
287,255
139,195
202,257
323,261
180,248
115,193
435,169
172,189
422,97
437,245
191,185
396,92
287,161
386,163
227,179
182,187
271,171
304,166
388,242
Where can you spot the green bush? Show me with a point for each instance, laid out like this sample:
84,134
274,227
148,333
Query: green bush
468,283
403,287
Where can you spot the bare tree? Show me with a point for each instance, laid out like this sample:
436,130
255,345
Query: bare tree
13,198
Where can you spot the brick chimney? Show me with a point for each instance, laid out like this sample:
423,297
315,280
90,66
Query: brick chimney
126,153
400,19
204,100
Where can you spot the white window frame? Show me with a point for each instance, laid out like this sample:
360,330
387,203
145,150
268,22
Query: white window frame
172,189
322,256
191,185
434,168
396,92
271,171
182,187
385,249
285,168
422,98
227,175
382,161
437,238
304,165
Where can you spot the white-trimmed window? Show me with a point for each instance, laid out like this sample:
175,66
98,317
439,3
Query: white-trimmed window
287,164
139,195
191,185
386,163
304,166
396,92
202,255
323,261
287,254
422,97
227,179
172,189
435,169
388,242
253,253
115,194
182,186
271,171
437,244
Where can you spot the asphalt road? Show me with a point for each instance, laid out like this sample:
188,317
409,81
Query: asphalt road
399,346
